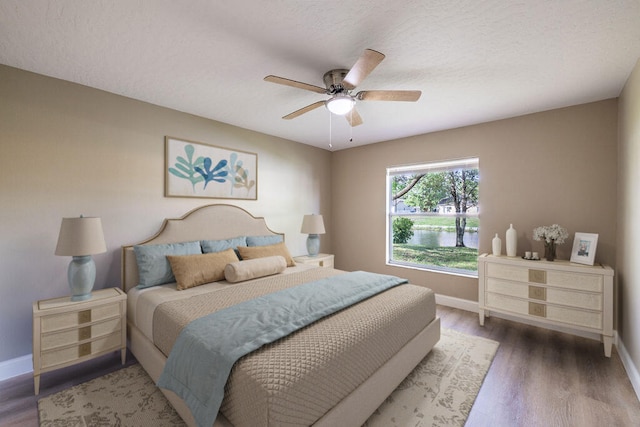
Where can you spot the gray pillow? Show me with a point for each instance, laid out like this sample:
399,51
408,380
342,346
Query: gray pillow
271,239
154,268
209,246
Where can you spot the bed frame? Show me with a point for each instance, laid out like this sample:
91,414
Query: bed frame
221,221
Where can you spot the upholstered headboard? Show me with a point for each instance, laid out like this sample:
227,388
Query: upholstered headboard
209,222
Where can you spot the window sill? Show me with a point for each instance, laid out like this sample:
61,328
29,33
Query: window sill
434,269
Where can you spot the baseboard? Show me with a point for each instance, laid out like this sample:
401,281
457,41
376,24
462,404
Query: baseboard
462,304
14,367
630,367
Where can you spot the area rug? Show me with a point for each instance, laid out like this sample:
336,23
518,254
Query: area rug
439,392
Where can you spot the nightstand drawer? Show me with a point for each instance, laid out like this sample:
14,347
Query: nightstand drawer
69,354
75,335
320,260
78,318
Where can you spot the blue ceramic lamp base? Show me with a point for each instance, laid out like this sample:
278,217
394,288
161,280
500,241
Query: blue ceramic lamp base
81,275
313,244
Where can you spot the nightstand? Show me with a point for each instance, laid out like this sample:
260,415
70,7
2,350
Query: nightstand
321,260
67,332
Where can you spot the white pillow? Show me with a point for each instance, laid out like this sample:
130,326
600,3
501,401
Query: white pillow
253,268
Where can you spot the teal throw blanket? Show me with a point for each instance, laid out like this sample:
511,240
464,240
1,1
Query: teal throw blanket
205,351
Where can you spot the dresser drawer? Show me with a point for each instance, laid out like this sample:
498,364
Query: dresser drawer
567,315
75,335
562,279
588,300
587,319
78,318
578,281
72,353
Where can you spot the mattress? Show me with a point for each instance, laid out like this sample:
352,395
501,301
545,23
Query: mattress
297,379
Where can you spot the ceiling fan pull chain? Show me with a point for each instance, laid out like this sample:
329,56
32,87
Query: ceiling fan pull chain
330,144
351,127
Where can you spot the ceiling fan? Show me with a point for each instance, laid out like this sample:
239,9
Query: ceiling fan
339,85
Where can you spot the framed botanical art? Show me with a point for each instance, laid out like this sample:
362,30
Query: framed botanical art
194,169
584,248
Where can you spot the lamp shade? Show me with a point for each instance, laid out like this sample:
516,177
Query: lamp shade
340,104
312,224
80,236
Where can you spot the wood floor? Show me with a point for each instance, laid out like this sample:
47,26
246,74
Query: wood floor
538,378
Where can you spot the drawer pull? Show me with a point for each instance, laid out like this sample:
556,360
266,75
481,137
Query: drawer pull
537,276
84,316
84,349
536,309
84,333
538,292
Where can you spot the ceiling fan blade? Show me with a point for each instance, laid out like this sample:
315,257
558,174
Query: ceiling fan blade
362,68
353,117
299,85
389,95
304,110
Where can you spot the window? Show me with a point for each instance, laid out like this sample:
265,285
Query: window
432,220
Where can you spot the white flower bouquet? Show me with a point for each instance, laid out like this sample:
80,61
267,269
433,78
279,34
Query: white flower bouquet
551,233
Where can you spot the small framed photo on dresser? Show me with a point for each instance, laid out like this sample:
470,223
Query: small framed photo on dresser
584,248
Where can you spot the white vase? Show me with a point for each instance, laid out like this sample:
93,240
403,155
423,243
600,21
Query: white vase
496,245
512,241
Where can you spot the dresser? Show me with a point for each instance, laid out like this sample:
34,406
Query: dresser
67,332
559,293
320,260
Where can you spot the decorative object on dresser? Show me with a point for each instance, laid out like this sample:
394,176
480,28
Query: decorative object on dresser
320,260
551,235
584,248
496,245
313,225
556,294
80,238
66,332
512,241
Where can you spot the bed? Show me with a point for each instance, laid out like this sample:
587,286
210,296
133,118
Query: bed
334,372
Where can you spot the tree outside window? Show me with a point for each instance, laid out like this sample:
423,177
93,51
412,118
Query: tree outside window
433,216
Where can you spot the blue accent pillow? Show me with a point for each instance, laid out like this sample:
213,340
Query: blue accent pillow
209,246
154,268
264,240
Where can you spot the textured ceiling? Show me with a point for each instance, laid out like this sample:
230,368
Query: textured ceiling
474,61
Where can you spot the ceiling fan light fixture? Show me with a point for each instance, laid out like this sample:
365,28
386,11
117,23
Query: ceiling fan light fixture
340,104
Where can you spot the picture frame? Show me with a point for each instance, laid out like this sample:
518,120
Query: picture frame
195,169
584,248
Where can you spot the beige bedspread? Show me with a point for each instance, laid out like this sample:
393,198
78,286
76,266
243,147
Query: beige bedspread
297,379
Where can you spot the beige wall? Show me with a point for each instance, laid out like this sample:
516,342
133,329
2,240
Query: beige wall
66,149
553,167
628,265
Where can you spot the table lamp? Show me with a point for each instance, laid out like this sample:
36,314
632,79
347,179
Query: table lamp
312,225
80,238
